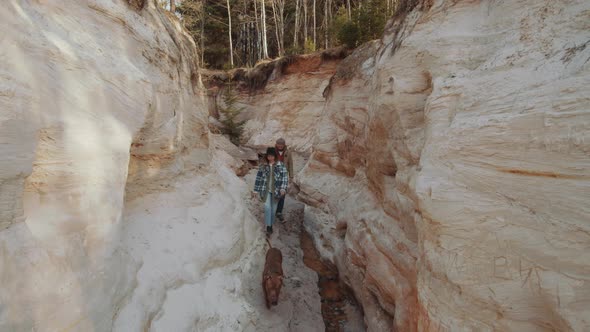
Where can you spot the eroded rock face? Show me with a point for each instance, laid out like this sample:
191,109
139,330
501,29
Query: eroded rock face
118,210
103,214
283,98
290,105
450,172
83,98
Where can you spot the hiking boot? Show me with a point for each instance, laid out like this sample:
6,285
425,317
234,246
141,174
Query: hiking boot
269,229
280,217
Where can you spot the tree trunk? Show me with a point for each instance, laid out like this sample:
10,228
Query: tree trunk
231,46
326,22
315,42
349,10
258,33
304,22
264,40
281,5
296,29
203,15
274,14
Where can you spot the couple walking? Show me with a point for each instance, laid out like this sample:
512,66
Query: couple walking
272,180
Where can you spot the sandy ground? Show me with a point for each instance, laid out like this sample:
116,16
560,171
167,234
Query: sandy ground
301,291
196,253
299,299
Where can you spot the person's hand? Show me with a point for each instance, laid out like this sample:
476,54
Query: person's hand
253,194
283,192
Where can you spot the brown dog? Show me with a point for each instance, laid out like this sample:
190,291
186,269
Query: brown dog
272,276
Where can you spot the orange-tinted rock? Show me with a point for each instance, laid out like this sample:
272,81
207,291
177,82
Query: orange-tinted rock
456,150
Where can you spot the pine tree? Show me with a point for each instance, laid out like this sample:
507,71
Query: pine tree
230,112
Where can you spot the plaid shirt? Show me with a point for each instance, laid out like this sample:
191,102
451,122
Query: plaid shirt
280,175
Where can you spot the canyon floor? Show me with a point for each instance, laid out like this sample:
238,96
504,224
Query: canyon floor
311,285
442,169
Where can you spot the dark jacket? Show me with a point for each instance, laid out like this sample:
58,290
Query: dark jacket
287,160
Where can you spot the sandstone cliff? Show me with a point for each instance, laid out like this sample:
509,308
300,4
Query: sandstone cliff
280,98
116,212
94,94
448,181
451,173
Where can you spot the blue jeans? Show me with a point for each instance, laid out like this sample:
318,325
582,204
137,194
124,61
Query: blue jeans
270,206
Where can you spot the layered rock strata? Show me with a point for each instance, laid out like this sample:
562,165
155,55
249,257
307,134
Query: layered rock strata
117,213
450,174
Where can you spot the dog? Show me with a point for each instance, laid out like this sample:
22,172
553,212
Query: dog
272,276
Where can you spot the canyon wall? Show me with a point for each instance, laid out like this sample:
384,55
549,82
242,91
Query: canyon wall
290,104
450,172
279,98
117,213
94,95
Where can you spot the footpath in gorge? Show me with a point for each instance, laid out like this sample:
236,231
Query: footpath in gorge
311,284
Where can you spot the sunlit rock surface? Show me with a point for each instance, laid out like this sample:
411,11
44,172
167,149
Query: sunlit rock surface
290,105
116,213
449,178
451,173
95,95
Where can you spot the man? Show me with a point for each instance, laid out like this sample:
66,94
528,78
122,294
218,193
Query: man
284,157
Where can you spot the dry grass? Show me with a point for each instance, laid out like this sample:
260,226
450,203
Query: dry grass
136,4
256,78
404,7
336,53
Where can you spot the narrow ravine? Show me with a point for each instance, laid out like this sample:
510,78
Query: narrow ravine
312,284
337,299
339,308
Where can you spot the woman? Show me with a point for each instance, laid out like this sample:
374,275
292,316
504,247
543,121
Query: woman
271,184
